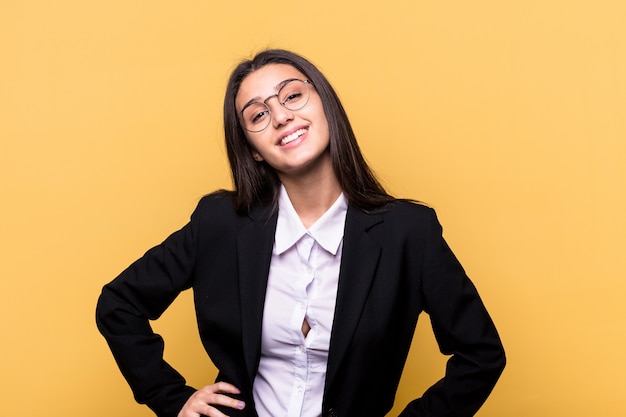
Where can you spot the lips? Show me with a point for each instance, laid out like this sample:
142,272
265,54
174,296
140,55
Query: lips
292,136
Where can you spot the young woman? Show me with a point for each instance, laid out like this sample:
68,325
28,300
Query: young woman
308,278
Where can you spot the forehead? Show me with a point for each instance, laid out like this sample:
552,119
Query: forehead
264,81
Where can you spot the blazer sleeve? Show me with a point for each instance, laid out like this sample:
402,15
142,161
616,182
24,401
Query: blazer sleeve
463,329
126,305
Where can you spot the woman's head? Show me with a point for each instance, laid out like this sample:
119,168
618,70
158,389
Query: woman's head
285,123
256,182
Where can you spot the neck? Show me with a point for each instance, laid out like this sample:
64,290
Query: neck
310,196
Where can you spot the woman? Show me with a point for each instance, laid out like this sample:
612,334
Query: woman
308,278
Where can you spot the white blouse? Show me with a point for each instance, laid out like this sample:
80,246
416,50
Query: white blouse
302,283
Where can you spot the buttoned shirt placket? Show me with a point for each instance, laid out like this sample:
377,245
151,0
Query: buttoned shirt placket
303,287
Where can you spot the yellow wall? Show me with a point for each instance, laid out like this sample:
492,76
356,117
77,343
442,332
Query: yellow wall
508,117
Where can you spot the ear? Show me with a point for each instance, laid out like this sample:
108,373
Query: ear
257,156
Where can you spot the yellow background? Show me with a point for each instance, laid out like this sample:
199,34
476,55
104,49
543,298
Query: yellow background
508,117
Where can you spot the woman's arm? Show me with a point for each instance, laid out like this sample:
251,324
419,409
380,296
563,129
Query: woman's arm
126,305
463,329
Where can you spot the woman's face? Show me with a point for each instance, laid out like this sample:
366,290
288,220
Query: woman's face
295,142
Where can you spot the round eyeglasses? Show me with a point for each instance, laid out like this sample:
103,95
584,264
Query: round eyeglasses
293,95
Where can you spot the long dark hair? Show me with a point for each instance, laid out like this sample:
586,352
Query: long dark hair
257,183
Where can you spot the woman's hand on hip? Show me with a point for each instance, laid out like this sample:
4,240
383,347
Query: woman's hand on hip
199,404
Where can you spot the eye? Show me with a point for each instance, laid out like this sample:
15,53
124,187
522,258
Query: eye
255,113
258,116
292,93
295,95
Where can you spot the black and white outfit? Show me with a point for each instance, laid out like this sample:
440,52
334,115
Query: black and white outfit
360,280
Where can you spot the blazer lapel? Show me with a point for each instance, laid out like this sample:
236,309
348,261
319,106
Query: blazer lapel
358,267
360,256
254,250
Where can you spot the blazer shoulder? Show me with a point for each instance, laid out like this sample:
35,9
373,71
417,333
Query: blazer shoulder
214,209
409,211
217,198
397,218
218,209
216,202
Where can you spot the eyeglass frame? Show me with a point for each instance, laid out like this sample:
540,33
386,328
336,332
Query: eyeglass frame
282,84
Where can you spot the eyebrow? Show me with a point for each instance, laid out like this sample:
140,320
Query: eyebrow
277,87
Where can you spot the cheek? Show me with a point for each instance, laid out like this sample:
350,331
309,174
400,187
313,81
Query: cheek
321,116
325,126
253,142
258,143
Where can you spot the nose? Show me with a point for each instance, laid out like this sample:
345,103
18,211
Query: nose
280,114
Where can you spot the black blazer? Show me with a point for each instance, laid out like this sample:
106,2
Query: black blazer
395,264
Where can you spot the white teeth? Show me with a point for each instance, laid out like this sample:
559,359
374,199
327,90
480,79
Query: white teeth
295,135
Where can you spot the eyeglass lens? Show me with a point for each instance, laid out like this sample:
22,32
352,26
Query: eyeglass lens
294,95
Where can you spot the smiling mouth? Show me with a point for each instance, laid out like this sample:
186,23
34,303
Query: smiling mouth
295,135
